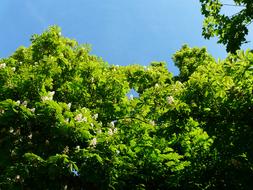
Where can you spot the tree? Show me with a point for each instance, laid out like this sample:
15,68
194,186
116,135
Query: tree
220,97
67,122
230,29
189,59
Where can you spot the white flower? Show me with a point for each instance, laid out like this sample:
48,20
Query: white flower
95,116
18,102
79,117
110,132
156,85
51,94
30,136
48,97
145,67
93,142
69,105
99,131
91,124
24,103
2,66
11,130
152,123
170,99
67,120
78,147
44,98
17,177
112,124
32,110
65,150
13,153
84,119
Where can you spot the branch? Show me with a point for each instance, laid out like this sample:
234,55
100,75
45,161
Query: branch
233,5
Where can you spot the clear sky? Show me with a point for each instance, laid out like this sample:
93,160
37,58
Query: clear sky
122,32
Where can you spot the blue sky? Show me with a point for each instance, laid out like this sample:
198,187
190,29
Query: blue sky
122,32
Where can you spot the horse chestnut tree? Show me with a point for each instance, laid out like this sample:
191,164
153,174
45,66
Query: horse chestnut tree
67,120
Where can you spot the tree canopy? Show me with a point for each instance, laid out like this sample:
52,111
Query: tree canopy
230,29
67,120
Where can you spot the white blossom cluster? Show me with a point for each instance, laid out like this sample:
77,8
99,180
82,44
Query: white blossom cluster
112,124
30,136
146,68
93,142
24,103
152,123
95,116
11,130
170,99
1,111
112,128
99,131
78,147
48,97
112,131
79,118
2,65
32,110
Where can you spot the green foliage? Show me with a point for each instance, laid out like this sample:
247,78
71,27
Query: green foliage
66,121
230,29
189,59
